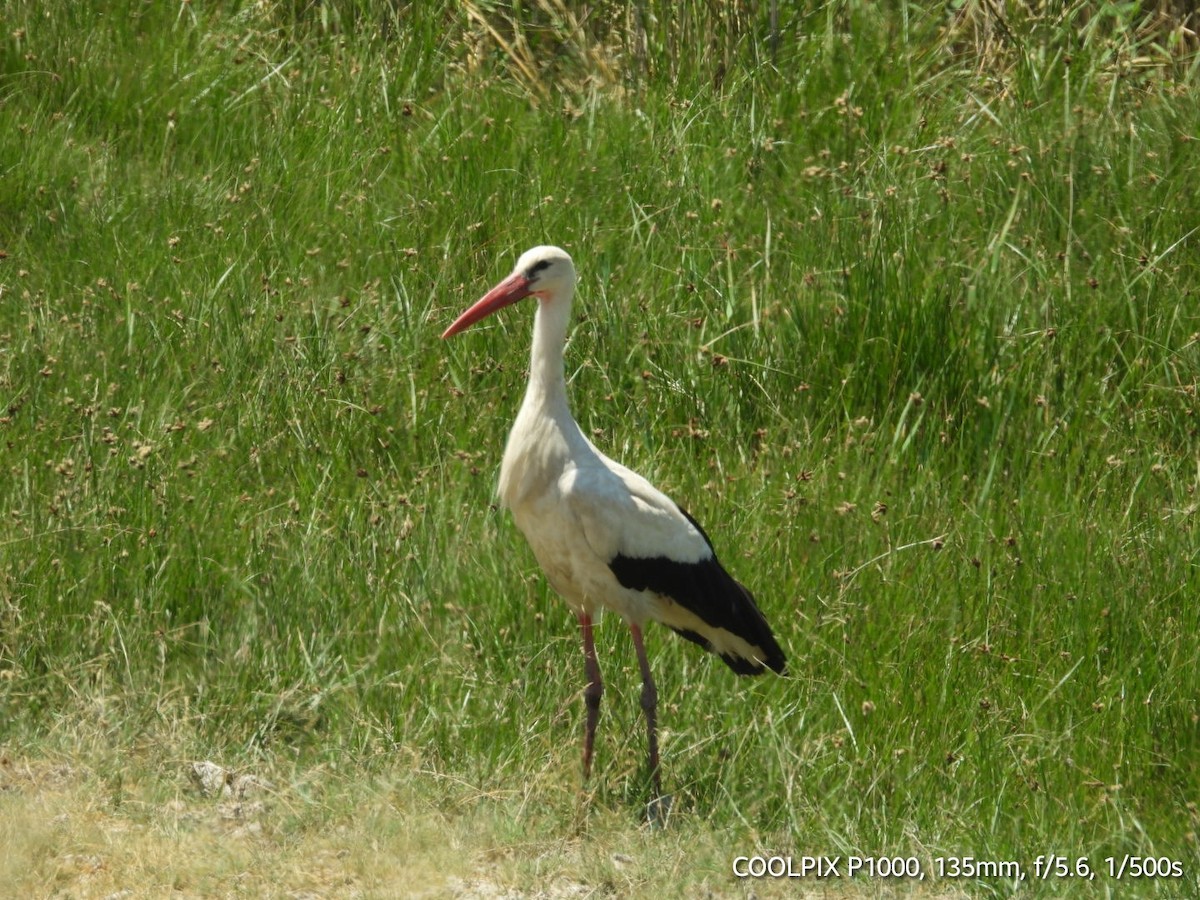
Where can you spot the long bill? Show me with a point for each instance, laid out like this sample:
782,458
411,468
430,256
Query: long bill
513,288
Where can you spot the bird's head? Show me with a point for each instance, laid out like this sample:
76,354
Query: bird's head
543,272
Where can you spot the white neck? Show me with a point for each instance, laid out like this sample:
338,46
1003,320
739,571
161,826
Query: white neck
547,381
544,436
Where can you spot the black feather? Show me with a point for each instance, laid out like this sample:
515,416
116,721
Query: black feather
707,590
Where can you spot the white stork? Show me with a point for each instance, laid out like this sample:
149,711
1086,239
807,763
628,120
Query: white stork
605,537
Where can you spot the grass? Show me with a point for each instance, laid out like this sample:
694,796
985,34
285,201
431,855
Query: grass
902,304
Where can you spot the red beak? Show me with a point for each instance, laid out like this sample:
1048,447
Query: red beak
513,288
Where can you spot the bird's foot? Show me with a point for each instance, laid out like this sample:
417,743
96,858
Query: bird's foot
658,811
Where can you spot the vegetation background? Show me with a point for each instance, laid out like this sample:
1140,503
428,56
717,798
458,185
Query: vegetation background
900,299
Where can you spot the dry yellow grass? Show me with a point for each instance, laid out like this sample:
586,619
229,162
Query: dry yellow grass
69,831
117,828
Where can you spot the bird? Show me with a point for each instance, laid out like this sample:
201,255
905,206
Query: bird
606,538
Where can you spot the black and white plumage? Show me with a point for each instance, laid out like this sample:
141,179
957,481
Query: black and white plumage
605,537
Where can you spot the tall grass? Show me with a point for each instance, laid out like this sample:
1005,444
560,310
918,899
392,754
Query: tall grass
907,316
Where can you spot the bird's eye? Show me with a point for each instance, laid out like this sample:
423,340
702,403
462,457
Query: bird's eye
538,267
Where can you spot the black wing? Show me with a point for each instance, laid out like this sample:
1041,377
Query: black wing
714,596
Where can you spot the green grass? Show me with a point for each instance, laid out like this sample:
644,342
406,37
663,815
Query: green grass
907,313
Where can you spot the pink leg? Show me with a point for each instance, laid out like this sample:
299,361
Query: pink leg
591,693
650,708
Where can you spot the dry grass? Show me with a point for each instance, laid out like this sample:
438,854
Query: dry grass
614,44
123,827
69,829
